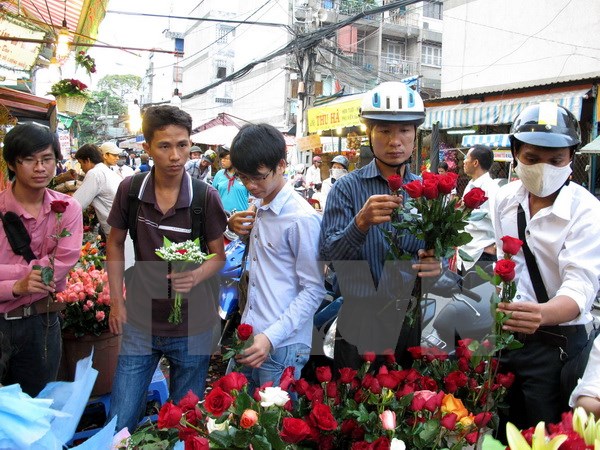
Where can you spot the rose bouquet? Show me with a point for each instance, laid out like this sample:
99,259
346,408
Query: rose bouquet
429,406
181,256
87,299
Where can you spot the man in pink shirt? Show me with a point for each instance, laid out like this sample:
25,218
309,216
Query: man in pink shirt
29,321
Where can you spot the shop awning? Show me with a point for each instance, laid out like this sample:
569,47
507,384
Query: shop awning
340,113
592,147
497,112
491,140
217,135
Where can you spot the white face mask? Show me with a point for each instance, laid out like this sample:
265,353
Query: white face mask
338,173
542,179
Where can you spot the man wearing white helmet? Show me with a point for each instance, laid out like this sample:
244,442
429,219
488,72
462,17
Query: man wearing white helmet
201,168
357,214
557,268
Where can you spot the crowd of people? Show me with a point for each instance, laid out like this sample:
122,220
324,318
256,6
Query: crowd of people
289,243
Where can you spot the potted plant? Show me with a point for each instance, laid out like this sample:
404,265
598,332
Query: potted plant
71,95
85,318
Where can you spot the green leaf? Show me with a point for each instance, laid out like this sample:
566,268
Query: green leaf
482,273
242,438
166,242
242,403
260,443
64,233
47,275
465,257
430,430
222,438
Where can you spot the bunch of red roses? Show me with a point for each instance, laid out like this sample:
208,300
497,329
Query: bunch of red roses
433,405
504,275
431,215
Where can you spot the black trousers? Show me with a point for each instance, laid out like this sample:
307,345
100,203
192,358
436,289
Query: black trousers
536,393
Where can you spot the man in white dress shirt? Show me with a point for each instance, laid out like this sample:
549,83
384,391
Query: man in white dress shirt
477,165
560,226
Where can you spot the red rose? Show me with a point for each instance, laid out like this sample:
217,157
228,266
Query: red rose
383,443
455,380
322,418
433,403
430,189
294,430
471,438
362,445
189,401
232,381
426,175
505,269
474,198
181,251
287,378
447,182
394,183
506,380
332,391
347,374
482,419
511,245
302,386
414,189
196,443
217,401
323,374
449,421
58,206
369,357
169,415
244,331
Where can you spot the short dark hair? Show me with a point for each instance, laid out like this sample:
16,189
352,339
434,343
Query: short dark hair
144,157
158,117
443,165
484,155
27,139
257,145
223,152
89,152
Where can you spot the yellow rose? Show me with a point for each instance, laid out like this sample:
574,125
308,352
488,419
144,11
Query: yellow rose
450,404
467,421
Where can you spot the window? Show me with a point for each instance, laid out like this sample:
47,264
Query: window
431,55
221,69
223,33
433,9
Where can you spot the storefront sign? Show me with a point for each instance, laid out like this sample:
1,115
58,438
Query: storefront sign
309,142
335,115
502,155
18,55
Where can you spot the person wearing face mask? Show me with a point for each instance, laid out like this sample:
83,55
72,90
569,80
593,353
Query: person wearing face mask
559,222
339,168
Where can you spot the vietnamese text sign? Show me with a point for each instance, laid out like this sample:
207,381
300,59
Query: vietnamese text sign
338,115
309,142
18,55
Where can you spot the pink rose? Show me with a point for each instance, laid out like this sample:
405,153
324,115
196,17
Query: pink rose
100,316
388,419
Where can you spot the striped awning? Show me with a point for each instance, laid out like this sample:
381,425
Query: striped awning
497,112
491,140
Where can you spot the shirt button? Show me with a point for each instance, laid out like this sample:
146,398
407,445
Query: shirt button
253,284
254,259
518,297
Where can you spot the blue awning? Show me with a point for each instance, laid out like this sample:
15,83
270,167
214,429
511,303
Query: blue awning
497,112
491,140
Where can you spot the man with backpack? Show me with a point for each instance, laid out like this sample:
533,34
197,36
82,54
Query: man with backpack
163,203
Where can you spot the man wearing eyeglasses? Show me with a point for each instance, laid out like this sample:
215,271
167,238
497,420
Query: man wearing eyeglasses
30,329
285,278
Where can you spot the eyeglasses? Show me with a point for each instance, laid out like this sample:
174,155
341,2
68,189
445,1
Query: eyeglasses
32,162
257,179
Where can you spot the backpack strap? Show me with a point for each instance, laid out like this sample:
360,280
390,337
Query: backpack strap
134,206
17,235
198,208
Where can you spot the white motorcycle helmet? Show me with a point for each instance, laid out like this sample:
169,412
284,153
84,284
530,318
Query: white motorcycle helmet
393,101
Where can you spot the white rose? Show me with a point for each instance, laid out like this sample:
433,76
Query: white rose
273,396
212,425
397,444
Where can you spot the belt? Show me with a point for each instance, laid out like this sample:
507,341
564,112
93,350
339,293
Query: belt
555,335
39,307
